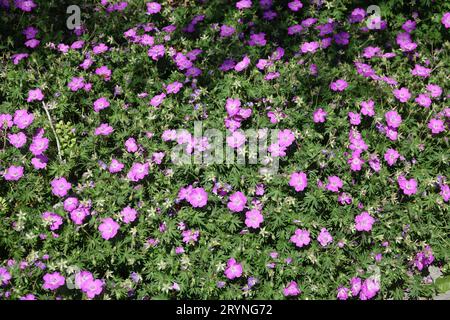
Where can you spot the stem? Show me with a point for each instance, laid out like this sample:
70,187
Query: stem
53,129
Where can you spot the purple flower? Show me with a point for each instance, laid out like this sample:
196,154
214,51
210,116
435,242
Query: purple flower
309,47
393,119
324,237
339,85
291,289
35,95
298,181
5,276
115,166
197,197
334,184
60,187
391,156
103,130
53,219
233,270
100,104
226,31
301,238
243,4
369,289
237,202
53,281
18,140
108,228
22,119
342,293
253,218
153,7
446,20
39,145
138,172
364,221
128,214
92,287
295,5
13,173
436,126
402,94
409,187
77,83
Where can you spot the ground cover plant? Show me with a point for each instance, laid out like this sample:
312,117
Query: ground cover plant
337,111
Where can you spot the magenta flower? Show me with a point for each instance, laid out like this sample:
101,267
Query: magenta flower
226,31
233,270
23,119
354,118
39,145
402,94
18,140
81,277
291,289
35,95
446,20
334,184
103,130
39,162
138,172
5,276
156,52
242,65
115,166
253,218
77,83
108,228
53,281
100,104
190,236
158,99
391,156
60,187
409,187
423,100
92,288
78,215
339,85
369,289
104,72
324,237
364,221
174,87
436,126
367,108
128,214
421,71
445,192
434,90
393,119
131,145
233,106
309,47
153,7
301,238
100,48
319,116
295,5
13,173
53,219
237,202
243,4
236,140
70,204
342,293
298,181
197,197
285,138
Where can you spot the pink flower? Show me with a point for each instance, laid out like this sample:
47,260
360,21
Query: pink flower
34,95
285,138
319,116
174,87
393,119
421,71
434,90
108,228
233,106
190,236
103,72
291,289
237,202
391,156
253,218
18,140
364,221
298,181
409,187
78,215
77,83
355,285
158,99
5,276
53,219
342,293
445,192
115,166
446,20
309,47
233,270
226,31
138,172
324,237
92,287
38,145
23,119
60,187
100,104
153,7
156,52
369,289
13,173
243,4
81,277
423,100
70,204
367,108
39,162
103,130
295,5
334,184
355,161
301,238
402,94
128,214
355,118
436,126
100,48
6,121
131,145
339,85
243,64
197,197
236,140
53,281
